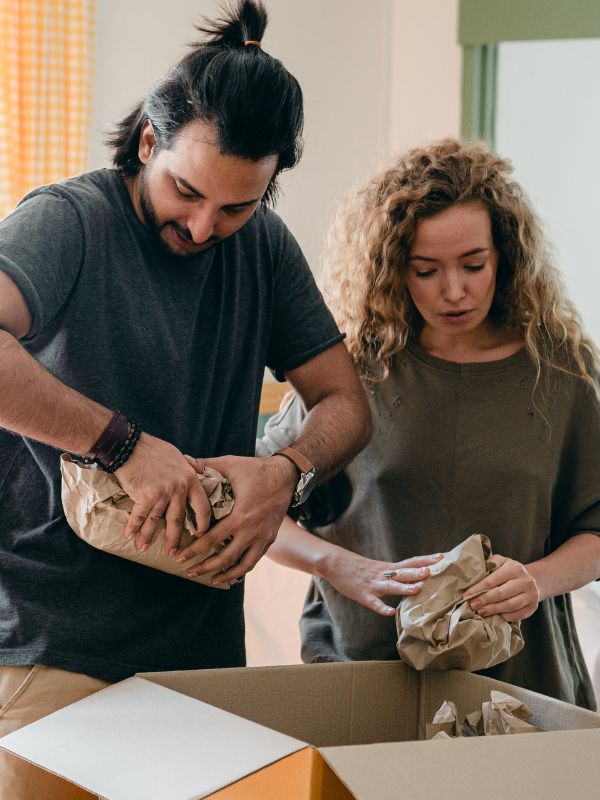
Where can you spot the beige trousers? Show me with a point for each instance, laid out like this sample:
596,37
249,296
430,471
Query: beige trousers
27,694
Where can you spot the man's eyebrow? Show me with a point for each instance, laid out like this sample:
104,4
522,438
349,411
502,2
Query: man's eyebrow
473,252
198,193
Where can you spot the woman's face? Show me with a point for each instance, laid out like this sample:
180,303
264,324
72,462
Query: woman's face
452,269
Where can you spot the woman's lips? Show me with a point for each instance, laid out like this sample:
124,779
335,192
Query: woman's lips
457,317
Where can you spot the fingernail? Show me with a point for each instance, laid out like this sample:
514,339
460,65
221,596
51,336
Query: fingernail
181,559
144,547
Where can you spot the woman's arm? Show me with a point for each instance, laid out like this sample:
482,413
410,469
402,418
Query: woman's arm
361,579
515,590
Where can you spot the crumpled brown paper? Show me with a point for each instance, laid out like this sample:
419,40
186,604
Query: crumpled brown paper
505,714
443,725
501,715
437,629
97,509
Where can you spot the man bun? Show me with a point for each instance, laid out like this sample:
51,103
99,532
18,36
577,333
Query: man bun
239,23
251,101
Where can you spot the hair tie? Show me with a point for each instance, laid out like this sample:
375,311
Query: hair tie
253,41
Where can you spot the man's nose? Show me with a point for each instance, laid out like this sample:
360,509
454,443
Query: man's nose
202,224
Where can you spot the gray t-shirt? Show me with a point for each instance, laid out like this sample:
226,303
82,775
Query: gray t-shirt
459,449
178,344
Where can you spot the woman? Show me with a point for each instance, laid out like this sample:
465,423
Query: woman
486,414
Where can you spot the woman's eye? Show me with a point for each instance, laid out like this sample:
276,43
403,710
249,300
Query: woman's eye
474,267
424,273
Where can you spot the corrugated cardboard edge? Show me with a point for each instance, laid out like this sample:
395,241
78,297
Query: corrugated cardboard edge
301,775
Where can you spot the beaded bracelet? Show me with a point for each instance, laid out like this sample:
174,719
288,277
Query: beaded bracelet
135,431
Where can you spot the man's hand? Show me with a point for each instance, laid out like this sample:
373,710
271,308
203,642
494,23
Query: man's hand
510,590
367,581
262,488
161,481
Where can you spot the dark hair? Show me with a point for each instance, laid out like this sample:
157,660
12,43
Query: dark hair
251,100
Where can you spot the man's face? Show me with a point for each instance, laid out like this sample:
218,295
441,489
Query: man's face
192,195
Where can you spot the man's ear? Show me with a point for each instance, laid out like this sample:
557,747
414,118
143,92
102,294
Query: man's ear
147,142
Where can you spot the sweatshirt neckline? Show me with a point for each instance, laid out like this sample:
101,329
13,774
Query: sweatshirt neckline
471,367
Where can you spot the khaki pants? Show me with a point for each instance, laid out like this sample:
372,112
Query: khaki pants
26,695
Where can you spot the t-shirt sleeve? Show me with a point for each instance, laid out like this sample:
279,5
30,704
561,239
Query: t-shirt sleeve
577,494
283,427
41,250
303,326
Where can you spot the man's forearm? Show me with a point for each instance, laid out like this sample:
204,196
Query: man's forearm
36,404
334,431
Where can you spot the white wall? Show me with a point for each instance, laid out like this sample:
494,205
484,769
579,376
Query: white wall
425,77
378,76
548,118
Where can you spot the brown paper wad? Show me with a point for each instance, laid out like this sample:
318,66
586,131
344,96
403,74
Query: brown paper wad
97,509
503,714
437,629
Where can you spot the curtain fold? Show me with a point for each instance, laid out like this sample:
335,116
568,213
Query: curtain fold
46,74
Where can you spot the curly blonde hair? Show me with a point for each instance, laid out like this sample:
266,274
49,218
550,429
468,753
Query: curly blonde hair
366,259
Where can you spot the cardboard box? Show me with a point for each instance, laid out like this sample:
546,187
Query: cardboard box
318,732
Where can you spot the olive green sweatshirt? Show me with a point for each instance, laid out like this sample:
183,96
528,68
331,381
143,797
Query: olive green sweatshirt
459,449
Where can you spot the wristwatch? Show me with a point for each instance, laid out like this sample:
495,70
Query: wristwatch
308,474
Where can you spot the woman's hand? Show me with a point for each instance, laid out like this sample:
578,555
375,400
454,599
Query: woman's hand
367,581
510,590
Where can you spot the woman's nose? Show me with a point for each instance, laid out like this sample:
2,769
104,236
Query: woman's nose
453,289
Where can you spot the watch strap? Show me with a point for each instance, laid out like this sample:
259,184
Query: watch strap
301,463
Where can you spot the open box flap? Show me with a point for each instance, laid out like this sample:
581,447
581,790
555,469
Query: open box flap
140,741
552,765
339,703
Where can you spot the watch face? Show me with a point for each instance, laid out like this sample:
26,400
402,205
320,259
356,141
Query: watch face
304,486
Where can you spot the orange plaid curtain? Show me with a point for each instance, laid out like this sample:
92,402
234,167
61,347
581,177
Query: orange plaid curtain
46,62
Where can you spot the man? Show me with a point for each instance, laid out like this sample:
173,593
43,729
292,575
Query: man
161,289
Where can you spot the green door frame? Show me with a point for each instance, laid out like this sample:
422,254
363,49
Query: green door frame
483,24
